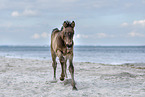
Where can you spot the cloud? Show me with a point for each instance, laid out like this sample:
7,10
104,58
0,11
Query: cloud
124,24
101,35
140,22
36,36
41,35
44,35
134,23
26,12
78,36
15,14
104,35
95,35
81,36
135,34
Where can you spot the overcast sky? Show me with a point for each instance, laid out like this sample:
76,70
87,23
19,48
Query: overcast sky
98,22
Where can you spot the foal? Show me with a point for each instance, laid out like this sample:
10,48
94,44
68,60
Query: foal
62,47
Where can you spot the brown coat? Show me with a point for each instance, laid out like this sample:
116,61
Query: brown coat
62,47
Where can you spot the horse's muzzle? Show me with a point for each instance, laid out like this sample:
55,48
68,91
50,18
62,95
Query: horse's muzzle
69,46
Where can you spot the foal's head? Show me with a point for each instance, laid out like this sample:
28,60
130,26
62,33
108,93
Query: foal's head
68,33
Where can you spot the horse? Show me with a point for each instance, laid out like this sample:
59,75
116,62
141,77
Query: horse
62,47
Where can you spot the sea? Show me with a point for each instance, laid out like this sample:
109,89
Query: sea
94,54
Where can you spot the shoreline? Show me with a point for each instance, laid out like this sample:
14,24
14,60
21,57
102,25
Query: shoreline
45,59
28,77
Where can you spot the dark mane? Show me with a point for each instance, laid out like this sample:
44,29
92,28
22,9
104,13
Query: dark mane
56,29
61,28
68,24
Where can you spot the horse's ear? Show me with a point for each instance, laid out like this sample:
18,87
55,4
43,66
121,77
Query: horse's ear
65,24
73,24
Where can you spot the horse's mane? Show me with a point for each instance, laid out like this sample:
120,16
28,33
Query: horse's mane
56,29
68,24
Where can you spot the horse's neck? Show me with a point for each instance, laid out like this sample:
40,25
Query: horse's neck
60,35
60,39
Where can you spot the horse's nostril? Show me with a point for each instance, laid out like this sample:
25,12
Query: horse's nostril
69,45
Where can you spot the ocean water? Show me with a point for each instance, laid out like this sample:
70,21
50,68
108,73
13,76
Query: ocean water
95,54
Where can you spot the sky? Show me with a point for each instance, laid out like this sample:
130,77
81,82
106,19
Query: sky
98,22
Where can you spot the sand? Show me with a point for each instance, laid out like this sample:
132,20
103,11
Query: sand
32,78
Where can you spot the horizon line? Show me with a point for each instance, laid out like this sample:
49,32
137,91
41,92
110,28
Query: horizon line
74,45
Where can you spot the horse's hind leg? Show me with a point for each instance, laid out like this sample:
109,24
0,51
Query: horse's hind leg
71,70
65,68
54,64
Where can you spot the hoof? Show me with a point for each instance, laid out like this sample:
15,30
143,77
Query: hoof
61,78
74,88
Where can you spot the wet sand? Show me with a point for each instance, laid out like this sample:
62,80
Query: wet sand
32,78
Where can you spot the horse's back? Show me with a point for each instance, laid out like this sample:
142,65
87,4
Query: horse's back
54,38
56,30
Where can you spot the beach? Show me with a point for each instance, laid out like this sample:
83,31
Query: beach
33,78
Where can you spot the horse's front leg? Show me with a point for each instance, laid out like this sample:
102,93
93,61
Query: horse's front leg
66,69
71,70
62,62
